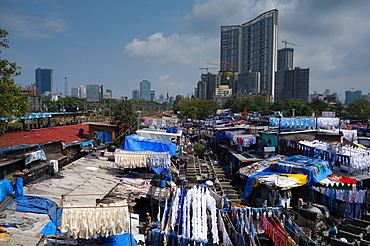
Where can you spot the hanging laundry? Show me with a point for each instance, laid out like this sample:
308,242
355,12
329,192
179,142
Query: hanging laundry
92,222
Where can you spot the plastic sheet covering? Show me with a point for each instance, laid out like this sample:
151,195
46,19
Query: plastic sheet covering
18,188
51,230
6,188
40,205
86,143
137,143
123,239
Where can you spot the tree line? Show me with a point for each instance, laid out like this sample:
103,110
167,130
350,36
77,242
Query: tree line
197,109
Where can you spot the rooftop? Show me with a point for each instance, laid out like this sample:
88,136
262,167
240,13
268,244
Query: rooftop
35,136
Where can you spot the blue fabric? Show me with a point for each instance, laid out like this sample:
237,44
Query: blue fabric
40,205
18,188
86,143
137,143
6,188
312,176
50,229
123,239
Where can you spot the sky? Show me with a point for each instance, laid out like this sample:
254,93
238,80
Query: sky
118,43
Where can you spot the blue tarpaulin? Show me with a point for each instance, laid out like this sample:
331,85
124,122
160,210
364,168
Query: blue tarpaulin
6,188
18,188
137,143
40,205
315,169
123,239
85,143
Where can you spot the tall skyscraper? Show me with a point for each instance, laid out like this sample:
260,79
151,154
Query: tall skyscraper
81,92
207,87
285,59
136,94
248,84
44,80
145,90
201,90
152,95
94,93
74,92
292,83
252,46
352,96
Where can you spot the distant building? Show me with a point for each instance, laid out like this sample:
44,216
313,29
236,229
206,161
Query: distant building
30,89
81,92
152,95
285,59
94,92
352,96
145,90
161,98
292,83
212,81
108,93
248,84
202,90
74,92
326,96
252,46
222,94
136,94
44,80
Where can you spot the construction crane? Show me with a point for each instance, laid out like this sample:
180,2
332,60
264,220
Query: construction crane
206,68
286,42
225,65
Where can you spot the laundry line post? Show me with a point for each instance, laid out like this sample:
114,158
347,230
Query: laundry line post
138,120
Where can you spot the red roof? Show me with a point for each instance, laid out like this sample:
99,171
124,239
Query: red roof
37,136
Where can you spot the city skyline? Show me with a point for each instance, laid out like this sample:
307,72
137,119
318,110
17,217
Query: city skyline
169,43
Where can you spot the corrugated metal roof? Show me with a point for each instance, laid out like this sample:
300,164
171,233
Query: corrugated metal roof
37,136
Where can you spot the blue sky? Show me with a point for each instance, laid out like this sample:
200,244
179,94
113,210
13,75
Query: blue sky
118,43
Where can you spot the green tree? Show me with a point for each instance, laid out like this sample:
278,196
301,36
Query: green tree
195,108
338,108
12,102
51,106
286,106
318,106
125,118
359,108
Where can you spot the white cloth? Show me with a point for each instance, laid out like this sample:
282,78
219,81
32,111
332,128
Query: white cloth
91,222
132,159
54,163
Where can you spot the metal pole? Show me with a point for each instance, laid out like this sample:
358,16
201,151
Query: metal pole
138,120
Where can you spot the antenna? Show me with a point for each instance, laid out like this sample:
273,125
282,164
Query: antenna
65,86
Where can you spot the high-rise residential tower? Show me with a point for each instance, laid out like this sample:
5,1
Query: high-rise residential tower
252,47
352,96
44,80
285,59
136,94
145,90
94,92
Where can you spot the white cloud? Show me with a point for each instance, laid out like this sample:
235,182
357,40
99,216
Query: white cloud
165,83
174,49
